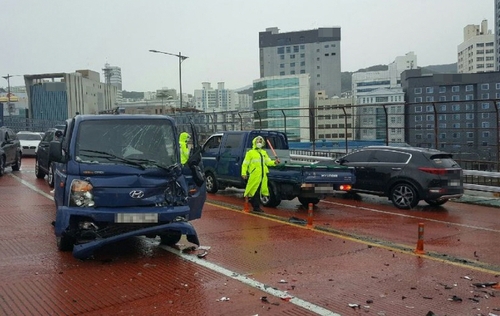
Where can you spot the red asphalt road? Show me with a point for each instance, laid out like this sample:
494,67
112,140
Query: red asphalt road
358,252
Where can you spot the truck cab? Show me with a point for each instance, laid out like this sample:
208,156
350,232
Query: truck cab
119,176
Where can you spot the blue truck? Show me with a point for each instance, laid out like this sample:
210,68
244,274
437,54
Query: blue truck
119,176
223,153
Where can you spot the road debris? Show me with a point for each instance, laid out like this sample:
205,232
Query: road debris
222,299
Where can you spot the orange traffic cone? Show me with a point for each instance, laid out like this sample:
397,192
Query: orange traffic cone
246,205
420,241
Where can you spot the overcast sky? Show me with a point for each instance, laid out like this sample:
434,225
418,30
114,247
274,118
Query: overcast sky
220,37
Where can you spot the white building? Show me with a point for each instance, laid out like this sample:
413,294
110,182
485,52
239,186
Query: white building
477,52
113,76
375,87
221,99
334,119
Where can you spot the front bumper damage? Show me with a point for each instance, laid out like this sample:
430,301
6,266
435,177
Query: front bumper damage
85,250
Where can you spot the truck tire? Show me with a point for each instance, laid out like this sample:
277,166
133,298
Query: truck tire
170,238
273,199
65,243
211,182
50,175
305,201
38,172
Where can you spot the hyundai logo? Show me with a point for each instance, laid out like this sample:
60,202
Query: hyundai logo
136,194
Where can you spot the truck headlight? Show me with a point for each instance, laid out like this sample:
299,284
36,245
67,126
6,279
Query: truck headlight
81,194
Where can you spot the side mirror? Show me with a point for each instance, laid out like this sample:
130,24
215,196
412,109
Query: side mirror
55,152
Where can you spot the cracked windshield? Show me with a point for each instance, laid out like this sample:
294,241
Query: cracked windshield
141,143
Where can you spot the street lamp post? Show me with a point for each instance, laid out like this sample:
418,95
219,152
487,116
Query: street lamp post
8,93
181,59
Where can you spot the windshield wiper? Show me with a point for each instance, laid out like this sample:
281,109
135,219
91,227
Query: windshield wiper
111,156
169,168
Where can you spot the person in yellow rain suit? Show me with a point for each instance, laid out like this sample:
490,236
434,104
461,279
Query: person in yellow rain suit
183,140
254,167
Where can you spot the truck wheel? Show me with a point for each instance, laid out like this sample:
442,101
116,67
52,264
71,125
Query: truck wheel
17,165
50,175
38,172
211,183
170,238
305,201
2,166
64,243
273,199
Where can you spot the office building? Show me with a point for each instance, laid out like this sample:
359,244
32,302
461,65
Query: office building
313,52
282,103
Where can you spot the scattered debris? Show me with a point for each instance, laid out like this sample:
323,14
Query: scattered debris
188,249
430,313
474,299
354,305
467,277
264,299
203,254
296,220
485,284
283,281
427,297
369,301
222,299
455,298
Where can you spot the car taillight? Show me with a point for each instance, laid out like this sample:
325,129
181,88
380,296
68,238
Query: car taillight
436,171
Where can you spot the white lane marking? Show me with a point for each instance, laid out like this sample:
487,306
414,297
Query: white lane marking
412,216
32,187
253,283
204,263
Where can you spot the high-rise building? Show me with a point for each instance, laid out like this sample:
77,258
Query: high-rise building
209,99
314,52
113,76
477,52
497,35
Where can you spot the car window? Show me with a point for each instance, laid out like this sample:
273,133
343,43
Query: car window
233,141
48,137
25,136
213,144
360,156
444,161
390,156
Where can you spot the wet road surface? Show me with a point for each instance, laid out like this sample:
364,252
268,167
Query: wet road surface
357,259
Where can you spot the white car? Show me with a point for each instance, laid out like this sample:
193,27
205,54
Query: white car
29,142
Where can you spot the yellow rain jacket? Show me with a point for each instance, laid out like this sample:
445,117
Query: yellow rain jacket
255,165
183,139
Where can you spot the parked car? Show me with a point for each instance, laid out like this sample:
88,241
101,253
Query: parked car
406,175
43,165
29,142
10,150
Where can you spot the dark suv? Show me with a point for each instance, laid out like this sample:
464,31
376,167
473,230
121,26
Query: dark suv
406,175
10,150
43,165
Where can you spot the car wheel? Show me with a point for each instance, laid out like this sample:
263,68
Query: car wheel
273,199
38,172
50,175
435,202
2,166
211,183
404,196
64,243
17,165
305,201
170,238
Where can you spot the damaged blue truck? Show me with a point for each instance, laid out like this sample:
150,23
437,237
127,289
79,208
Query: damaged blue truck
120,176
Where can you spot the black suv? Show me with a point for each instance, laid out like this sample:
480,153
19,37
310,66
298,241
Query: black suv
406,175
10,150
43,165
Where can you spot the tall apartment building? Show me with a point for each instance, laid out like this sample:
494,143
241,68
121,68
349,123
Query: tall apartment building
282,103
497,35
477,52
221,99
313,52
113,76
59,96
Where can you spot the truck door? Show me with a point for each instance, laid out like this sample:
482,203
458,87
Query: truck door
231,157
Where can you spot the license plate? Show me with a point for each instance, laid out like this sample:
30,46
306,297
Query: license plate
136,218
454,183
